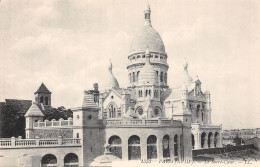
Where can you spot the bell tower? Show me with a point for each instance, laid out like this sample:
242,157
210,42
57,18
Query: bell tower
43,96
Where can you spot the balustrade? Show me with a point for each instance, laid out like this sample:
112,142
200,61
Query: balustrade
53,123
141,122
17,142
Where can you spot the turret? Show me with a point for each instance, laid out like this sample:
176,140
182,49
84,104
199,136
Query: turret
208,105
33,115
126,99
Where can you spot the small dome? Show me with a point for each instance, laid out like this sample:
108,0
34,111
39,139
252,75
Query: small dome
110,81
147,36
147,73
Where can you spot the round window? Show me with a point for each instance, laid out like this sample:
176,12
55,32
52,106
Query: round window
140,111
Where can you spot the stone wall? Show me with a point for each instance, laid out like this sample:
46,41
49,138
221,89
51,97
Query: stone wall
52,133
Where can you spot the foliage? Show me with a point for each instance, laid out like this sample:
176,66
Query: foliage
57,113
14,120
238,140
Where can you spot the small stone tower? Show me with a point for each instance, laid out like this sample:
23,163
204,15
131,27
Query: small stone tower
85,119
43,96
33,115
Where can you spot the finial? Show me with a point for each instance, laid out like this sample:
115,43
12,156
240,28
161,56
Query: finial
147,52
185,65
110,65
147,14
147,6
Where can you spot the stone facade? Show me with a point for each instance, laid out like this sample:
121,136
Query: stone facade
145,121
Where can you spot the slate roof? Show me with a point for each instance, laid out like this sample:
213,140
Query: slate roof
42,89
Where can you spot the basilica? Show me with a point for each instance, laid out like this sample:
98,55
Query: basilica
148,120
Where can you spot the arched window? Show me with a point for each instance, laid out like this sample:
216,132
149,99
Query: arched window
137,75
46,100
115,146
198,110
165,77
146,93
176,147
49,159
70,160
210,140
133,76
149,92
141,93
130,76
166,146
151,147
41,99
203,140
192,141
134,148
216,139
112,109
161,77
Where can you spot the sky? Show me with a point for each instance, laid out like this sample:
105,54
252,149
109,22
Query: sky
67,45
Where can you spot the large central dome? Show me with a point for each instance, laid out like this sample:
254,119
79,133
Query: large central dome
147,37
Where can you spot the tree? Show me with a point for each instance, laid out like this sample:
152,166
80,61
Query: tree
238,140
57,113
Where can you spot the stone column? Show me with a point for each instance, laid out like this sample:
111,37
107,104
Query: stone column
159,148
124,149
171,146
196,141
143,146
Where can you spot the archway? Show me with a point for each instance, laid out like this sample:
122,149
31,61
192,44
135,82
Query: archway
210,140
216,139
203,140
41,99
192,141
49,160
166,146
115,146
152,147
71,160
176,147
134,148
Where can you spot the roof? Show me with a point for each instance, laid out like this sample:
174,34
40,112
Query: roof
42,89
34,111
147,36
110,80
88,101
